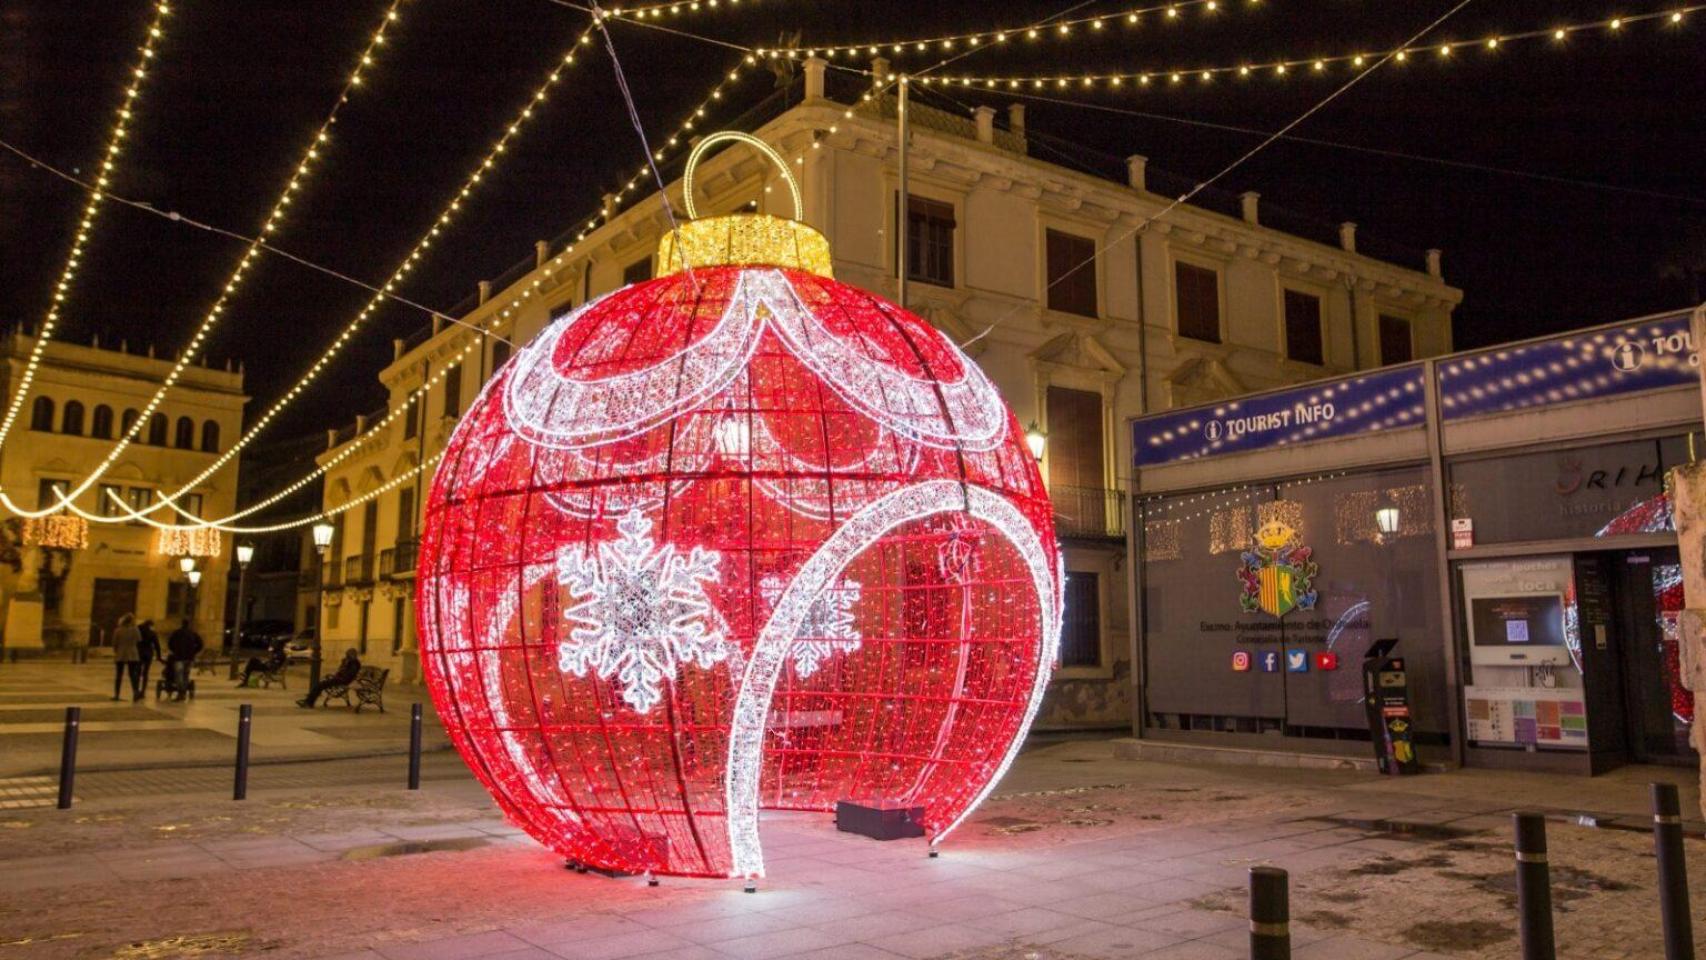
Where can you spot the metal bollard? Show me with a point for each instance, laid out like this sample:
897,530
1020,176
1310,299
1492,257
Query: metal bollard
245,719
68,755
1534,888
1673,873
415,747
1270,914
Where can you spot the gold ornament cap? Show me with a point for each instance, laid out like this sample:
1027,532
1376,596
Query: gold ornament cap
743,239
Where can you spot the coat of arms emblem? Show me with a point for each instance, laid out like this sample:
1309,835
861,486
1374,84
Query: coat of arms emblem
1278,573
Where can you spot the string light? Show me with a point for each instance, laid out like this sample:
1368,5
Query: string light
305,164
658,11
1063,30
1279,68
398,275
91,212
124,512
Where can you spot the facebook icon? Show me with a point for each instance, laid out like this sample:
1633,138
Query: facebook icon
1270,661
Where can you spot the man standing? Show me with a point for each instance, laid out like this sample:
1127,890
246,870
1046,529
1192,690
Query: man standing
148,649
127,656
182,647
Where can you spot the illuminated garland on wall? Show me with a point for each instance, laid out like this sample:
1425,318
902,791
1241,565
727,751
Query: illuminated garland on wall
91,212
56,532
305,164
1140,79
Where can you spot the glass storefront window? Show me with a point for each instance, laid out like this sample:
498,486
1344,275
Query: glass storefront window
1260,601
1603,489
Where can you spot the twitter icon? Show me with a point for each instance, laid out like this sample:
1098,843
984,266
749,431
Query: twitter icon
1297,661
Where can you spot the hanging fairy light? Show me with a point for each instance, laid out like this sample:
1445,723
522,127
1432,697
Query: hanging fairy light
192,542
729,613
91,212
305,164
1278,68
58,532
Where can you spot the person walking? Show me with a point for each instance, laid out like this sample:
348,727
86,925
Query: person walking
148,649
127,656
182,647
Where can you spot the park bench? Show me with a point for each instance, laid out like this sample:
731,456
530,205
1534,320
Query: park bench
206,661
271,673
368,688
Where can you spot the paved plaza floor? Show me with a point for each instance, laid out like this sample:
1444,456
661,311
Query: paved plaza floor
1078,856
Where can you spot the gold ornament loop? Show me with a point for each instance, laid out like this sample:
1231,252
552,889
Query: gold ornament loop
751,141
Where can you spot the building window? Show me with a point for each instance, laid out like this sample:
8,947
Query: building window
1395,344
101,426
1303,327
500,354
188,507
1081,627
405,514
1197,290
209,437
410,418
41,414
45,492
177,599
930,241
157,430
184,438
139,499
129,421
111,497
637,272
453,391
72,420
1071,287
1074,438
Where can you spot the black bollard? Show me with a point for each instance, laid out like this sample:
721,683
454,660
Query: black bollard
415,747
245,718
1270,914
1534,888
1673,873
68,755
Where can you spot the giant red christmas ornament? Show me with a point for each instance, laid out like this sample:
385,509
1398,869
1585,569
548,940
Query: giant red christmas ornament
737,538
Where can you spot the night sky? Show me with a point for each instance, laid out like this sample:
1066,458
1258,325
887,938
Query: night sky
239,87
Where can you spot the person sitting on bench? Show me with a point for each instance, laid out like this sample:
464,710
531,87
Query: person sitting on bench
275,659
345,676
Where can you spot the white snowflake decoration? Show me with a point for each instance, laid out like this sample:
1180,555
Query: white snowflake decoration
642,613
828,627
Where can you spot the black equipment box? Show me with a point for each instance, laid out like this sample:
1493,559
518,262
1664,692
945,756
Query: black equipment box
882,822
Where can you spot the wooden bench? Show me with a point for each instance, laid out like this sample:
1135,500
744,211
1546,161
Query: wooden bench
368,688
271,673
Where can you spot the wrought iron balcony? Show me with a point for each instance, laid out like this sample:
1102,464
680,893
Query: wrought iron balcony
358,569
406,551
1088,512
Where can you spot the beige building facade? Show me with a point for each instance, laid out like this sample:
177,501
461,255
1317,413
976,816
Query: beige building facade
1190,308
83,399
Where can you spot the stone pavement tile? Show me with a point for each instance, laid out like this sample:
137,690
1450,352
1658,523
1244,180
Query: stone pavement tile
359,955
1020,924
1190,924
1194,950
1111,906
588,927
934,941
777,943
451,831
964,908
455,948
690,952
1114,942
1351,948
171,868
1175,889
620,947
531,953
845,951
1064,867
816,911
877,925
728,928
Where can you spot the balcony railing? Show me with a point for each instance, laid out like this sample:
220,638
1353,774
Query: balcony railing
405,560
1089,512
358,569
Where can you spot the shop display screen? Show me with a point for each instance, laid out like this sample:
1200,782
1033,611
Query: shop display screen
1534,621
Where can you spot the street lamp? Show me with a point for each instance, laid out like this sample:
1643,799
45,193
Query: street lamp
185,565
1386,520
1036,439
245,553
322,542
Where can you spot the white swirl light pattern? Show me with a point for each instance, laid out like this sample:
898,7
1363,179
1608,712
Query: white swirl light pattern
557,411
868,526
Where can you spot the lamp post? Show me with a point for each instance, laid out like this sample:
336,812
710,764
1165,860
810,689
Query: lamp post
1386,521
322,541
1036,439
245,553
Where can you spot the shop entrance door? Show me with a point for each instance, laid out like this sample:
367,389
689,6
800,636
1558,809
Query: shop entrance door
1658,709
113,599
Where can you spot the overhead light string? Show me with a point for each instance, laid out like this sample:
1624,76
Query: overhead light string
1286,67
407,265
91,211
1239,161
305,164
498,318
